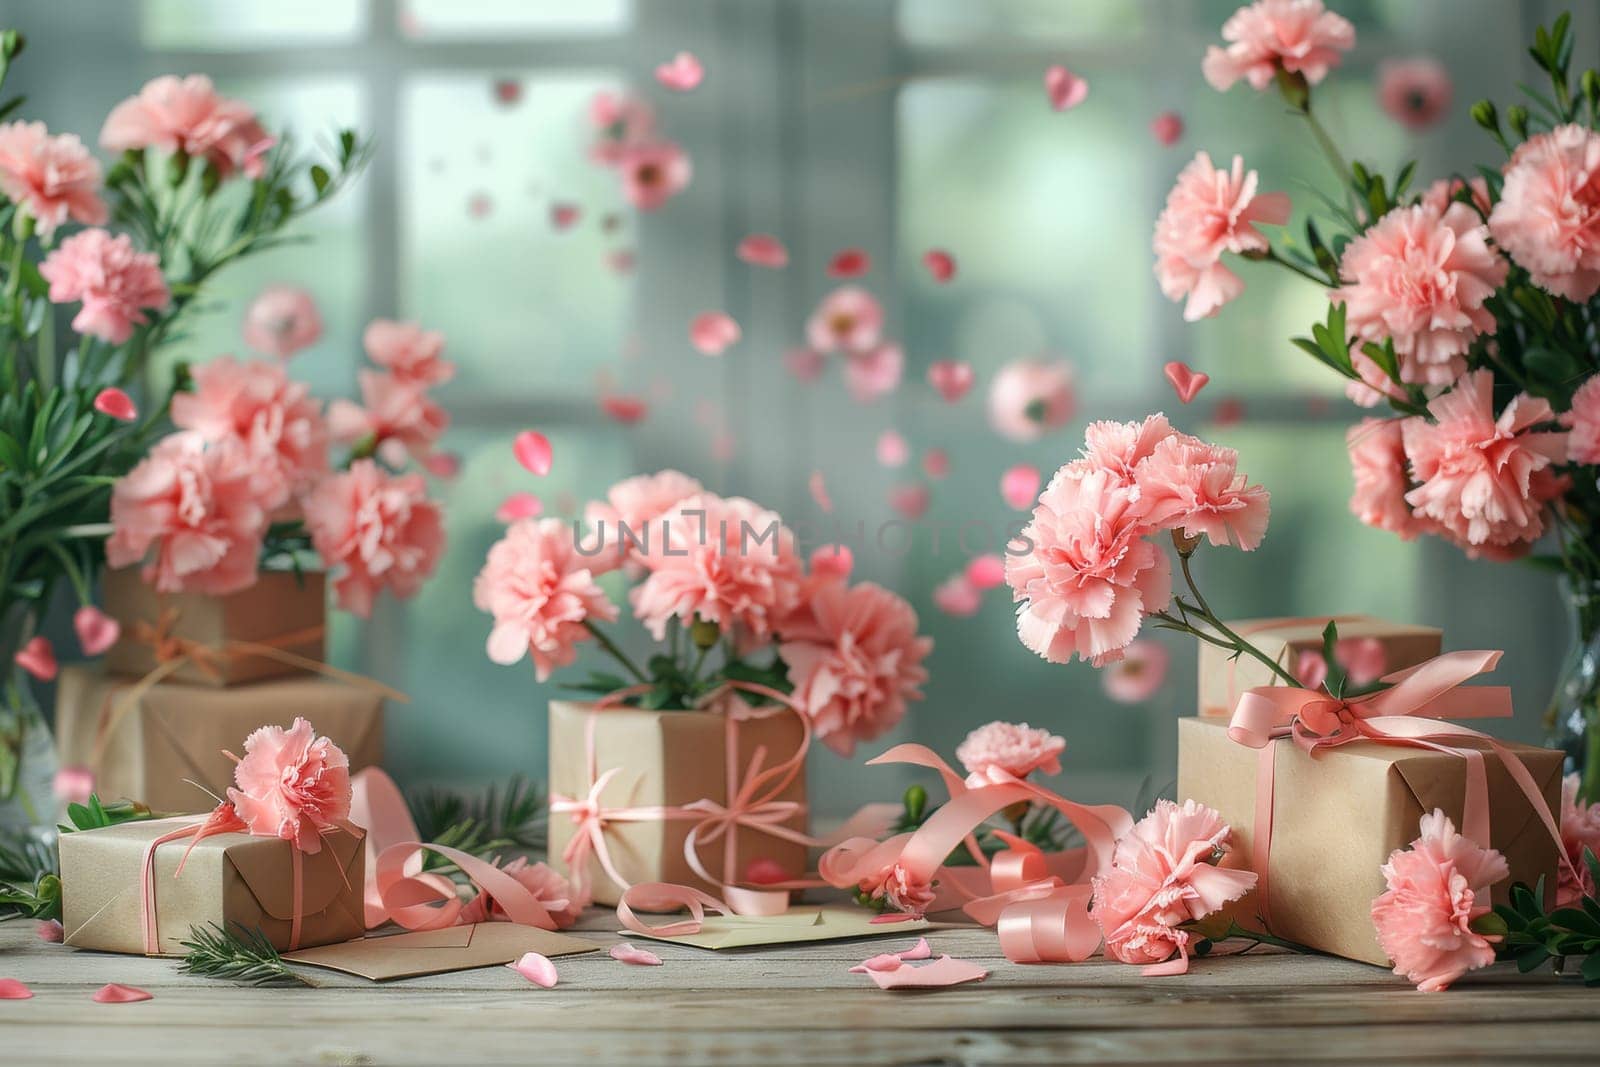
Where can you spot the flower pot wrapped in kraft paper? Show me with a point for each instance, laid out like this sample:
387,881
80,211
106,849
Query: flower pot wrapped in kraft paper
662,774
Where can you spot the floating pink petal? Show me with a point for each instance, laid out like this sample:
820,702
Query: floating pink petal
507,91
49,930
919,951
874,373
936,463
848,263
1065,88
681,74
713,333
624,409
763,250
1185,382
957,596
116,404
38,658
563,215
519,506
1139,674
97,631
1167,128
536,969
833,561
952,378
1228,412
1019,486
942,972
620,260
12,989
626,953
819,491
532,450
892,449
941,265
72,784
804,363
444,465
986,571
117,993
911,501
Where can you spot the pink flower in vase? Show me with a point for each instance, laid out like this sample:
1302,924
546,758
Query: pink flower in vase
1029,398
654,173
1420,277
188,115
1298,36
625,521
1583,419
849,319
1549,211
281,321
381,531
115,284
1378,462
194,506
1414,92
1210,212
52,179
390,410
292,784
1424,919
1580,829
408,352
276,421
1197,486
546,884
541,591
1139,675
1014,749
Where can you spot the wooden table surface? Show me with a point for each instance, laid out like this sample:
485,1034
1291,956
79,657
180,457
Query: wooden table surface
793,1005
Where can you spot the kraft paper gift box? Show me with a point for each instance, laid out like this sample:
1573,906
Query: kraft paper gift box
175,732
1222,679
667,758
283,610
1337,816
228,878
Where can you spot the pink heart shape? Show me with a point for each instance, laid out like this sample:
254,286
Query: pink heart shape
1019,486
518,506
986,571
562,216
536,969
681,73
532,450
117,993
116,404
713,333
829,561
941,265
892,449
911,501
626,953
763,250
1187,383
957,596
849,262
12,989
1065,88
97,631
38,658
952,378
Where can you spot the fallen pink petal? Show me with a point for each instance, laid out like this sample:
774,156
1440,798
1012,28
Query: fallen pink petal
920,951
12,989
536,969
116,404
626,953
117,993
1065,89
532,450
713,332
763,250
50,931
942,972
887,961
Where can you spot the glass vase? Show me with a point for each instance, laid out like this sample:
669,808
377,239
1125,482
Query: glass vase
27,751
1572,722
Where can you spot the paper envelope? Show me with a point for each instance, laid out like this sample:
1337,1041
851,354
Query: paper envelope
454,948
793,926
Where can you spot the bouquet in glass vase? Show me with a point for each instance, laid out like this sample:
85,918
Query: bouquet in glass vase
1466,307
125,253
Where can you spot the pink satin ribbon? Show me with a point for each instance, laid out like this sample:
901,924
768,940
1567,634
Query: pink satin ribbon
1406,714
147,885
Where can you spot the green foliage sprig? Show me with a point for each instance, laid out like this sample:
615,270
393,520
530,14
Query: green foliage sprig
235,953
30,871
1533,937
500,819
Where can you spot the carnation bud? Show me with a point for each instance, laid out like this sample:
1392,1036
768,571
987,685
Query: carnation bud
1517,119
704,633
178,167
916,804
1185,542
1485,115
1294,89
210,178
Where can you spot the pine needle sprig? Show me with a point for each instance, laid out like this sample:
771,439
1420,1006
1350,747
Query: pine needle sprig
512,818
239,955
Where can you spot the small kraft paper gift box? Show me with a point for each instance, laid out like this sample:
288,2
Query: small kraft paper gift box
1338,814
1222,679
228,878
256,633
142,741
666,760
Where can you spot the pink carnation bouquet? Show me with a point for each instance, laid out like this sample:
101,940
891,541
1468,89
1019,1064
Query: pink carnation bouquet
1466,306
719,586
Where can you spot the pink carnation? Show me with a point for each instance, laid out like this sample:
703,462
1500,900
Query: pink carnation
187,115
52,179
848,319
1583,419
281,321
1440,194
541,592
653,173
1298,36
1580,829
1424,919
1031,397
292,784
195,507
855,659
1414,92
1549,211
390,410
381,530
1210,212
1420,277
1164,874
1120,447
1016,749
114,282
625,521
408,352
546,884
1476,475
904,891
1197,486
276,421
726,561
1378,462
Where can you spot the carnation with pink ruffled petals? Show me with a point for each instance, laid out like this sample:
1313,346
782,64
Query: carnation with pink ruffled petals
1549,211
1016,749
553,892
192,509
115,283
1424,919
381,531
1583,419
1480,477
407,351
292,784
1378,462
1414,92
653,173
1298,36
1420,277
281,321
52,179
1210,212
541,592
1197,486
849,319
1029,398
188,115
1580,829
275,420
625,520
1441,193
390,410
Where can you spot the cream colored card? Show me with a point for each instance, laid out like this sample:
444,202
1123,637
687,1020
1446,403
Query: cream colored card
454,948
792,927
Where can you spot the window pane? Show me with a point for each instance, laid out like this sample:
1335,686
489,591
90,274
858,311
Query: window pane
245,24
951,22
488,18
